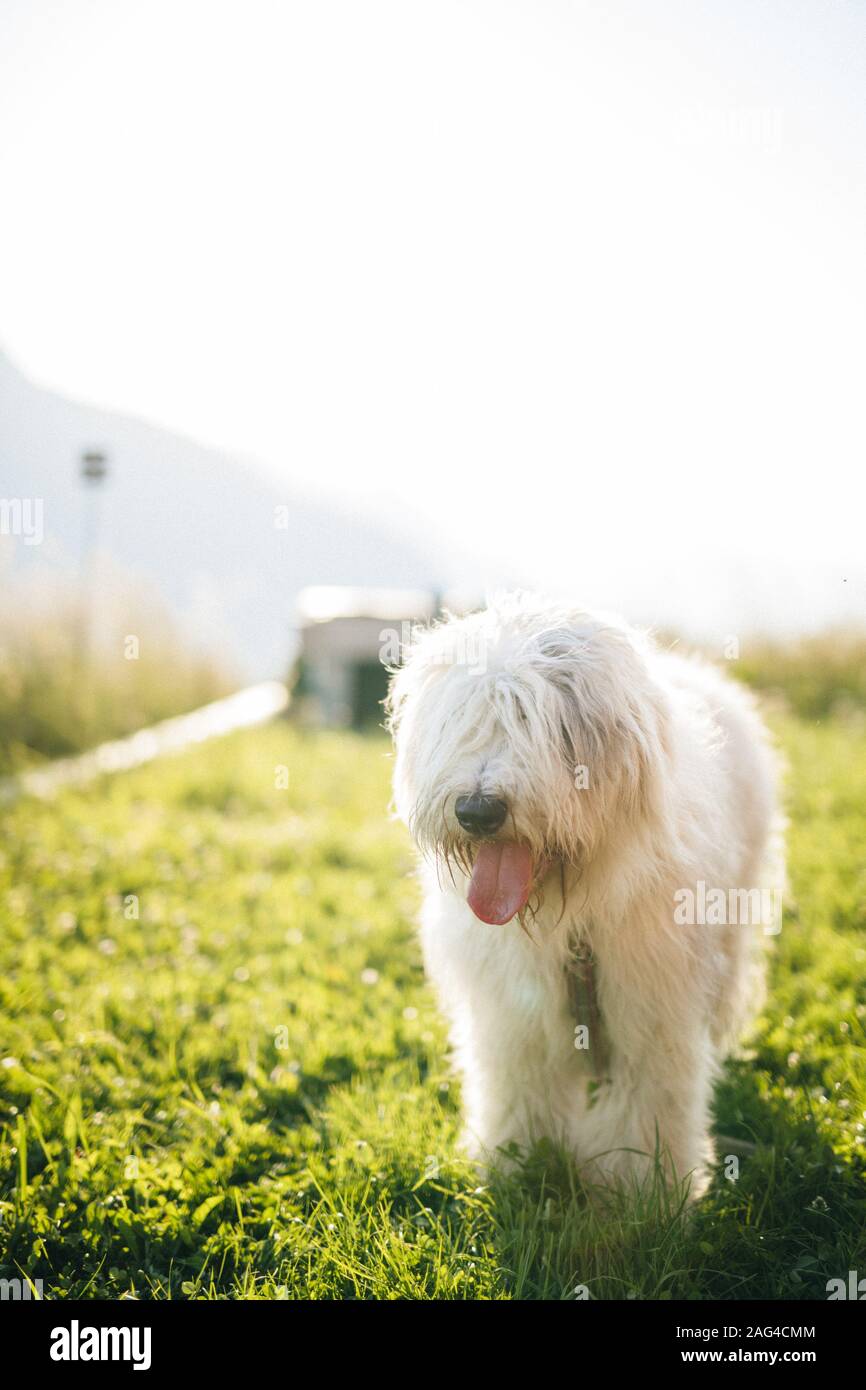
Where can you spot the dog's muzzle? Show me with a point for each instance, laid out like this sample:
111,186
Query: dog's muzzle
480,815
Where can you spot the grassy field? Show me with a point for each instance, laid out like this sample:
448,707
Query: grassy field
223,1074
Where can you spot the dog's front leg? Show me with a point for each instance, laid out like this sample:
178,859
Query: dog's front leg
510,1025
653,992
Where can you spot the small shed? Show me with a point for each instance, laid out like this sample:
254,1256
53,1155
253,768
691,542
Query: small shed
348,639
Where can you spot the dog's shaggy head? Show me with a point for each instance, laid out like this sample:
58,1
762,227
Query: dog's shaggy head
525,736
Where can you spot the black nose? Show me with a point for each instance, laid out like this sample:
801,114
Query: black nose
480,815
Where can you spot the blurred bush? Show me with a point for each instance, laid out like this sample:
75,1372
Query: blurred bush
818,676
68,682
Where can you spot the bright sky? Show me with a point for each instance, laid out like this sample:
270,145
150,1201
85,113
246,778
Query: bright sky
583,284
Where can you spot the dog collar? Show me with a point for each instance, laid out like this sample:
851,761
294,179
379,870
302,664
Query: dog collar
582,975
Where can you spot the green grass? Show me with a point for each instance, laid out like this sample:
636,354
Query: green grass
244,1091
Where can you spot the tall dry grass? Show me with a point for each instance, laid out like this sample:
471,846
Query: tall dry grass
818,676
68,682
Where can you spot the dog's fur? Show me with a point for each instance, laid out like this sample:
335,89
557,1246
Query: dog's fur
681,788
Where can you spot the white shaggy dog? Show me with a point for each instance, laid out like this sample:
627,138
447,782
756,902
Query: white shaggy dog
575,792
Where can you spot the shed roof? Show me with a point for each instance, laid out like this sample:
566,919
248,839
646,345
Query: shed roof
323,603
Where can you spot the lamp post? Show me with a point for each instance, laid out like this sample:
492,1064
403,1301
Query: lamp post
94,467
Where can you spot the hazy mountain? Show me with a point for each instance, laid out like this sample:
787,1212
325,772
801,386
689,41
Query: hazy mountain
199,526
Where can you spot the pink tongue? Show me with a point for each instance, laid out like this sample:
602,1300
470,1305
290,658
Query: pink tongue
501,882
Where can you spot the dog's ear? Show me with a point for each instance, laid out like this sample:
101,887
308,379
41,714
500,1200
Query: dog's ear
613,720
644,744
566,661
